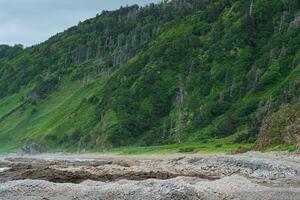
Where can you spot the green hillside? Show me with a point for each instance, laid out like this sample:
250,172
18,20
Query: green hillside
177,72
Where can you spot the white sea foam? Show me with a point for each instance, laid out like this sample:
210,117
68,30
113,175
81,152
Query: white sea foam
3,169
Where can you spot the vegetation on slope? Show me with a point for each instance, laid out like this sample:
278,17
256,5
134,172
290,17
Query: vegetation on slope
181,71
281,127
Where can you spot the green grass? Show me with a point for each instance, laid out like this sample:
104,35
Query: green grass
282,147
9,104
55,115
213,146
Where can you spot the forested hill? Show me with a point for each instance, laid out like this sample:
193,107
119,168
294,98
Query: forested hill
174,72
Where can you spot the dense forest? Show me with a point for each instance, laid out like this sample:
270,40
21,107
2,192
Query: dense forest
172,72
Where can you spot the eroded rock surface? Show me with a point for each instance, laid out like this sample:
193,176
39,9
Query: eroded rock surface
251,175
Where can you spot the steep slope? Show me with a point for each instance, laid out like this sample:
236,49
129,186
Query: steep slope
185,70
282,126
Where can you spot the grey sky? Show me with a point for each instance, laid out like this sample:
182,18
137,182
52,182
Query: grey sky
29,22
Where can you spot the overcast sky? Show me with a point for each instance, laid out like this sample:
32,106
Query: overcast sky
29,22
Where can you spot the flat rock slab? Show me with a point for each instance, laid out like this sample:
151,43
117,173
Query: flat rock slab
180,188
246,176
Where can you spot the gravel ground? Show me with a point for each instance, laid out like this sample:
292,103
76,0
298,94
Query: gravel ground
252,176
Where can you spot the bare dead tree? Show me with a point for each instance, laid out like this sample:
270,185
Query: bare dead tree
251,8
180,106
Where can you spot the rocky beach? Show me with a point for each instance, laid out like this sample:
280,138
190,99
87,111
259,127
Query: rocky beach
252,175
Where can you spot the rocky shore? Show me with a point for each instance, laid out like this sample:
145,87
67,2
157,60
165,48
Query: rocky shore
251,175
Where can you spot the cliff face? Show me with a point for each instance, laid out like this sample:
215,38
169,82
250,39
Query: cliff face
184,70
282,126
